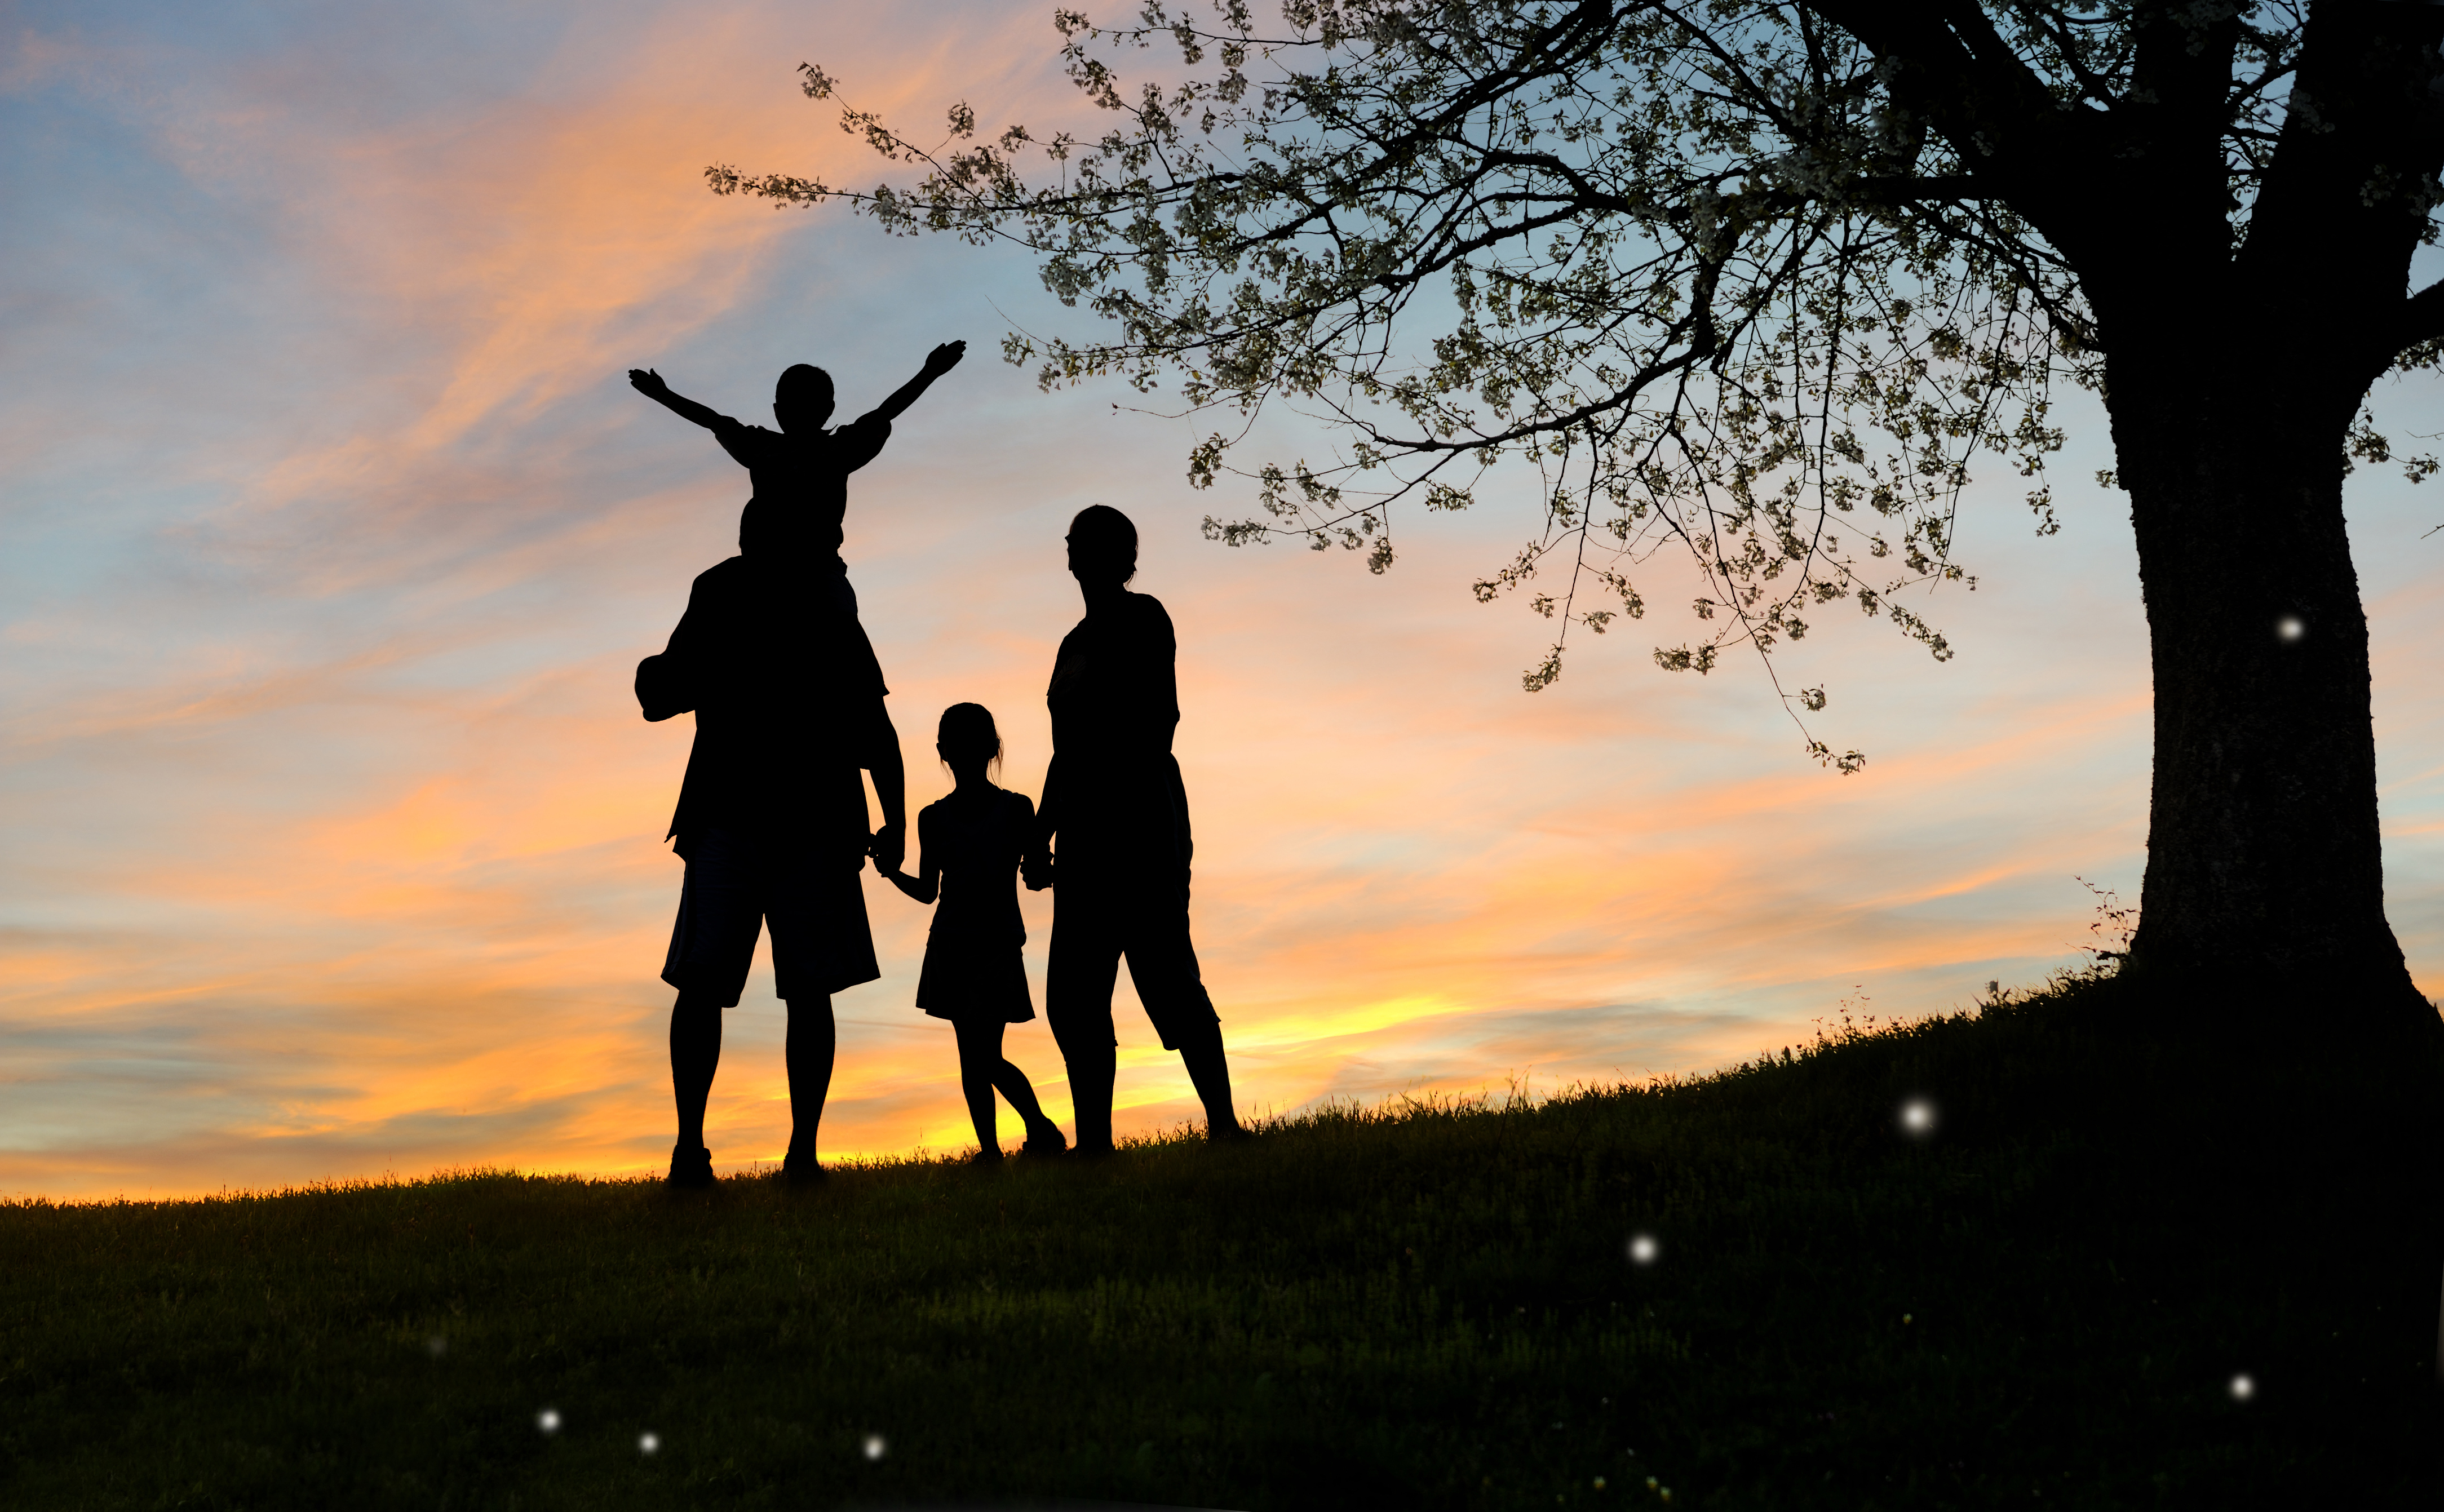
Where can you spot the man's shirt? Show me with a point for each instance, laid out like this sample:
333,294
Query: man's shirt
788,708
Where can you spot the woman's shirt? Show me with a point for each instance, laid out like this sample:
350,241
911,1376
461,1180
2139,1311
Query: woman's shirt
1122,808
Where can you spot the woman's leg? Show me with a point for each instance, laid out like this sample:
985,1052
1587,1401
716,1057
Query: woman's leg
979,1057
695,1055
812,1038
1200,1049
1084,967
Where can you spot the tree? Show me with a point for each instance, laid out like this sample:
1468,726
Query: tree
1758,280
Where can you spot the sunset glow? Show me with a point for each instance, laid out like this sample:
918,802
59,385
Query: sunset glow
335,535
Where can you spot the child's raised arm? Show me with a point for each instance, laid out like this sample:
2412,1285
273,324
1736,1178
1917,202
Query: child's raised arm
937,361
649,384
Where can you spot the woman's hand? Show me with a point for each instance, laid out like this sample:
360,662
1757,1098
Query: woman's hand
944,357
648,382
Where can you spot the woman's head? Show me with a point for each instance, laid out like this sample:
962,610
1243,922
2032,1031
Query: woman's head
1102,546
801,401
966,734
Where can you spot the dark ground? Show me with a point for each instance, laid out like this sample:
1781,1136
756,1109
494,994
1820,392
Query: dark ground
2045,1302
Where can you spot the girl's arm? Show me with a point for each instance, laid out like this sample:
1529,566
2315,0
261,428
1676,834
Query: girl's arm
1037,858
937,361
927,884
649,384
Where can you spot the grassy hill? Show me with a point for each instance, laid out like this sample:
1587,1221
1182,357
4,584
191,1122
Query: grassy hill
2046,1299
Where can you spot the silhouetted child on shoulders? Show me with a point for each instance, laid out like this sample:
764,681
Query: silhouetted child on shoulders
970,847
800,473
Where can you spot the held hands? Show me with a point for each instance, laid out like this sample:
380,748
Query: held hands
889,847
944,357
1036,872
649,384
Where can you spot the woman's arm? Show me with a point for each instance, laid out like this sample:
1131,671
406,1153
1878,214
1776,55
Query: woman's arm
1035,850
1035,862
649,384
937,361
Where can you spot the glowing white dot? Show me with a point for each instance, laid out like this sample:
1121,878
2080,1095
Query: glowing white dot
875,1447
2243,1388
1642,1249
649,1443
436,1346
1917,1116
548,1420
2289,628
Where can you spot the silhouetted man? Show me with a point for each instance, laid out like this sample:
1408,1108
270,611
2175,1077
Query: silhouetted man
1118,811
788,699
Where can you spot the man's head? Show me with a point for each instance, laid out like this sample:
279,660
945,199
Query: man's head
802,402
1102,546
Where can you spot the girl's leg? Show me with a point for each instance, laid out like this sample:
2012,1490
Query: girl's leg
812,1038
979,1058
695,1055
1012,1083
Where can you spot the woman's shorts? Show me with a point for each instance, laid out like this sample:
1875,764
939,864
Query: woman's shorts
814,904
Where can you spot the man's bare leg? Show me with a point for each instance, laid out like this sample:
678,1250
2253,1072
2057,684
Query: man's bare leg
695,1055
814,1040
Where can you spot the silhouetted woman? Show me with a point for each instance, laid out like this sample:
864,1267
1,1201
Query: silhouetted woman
970,847
1116,808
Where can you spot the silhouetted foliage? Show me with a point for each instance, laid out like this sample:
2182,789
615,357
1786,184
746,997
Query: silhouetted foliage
1759,282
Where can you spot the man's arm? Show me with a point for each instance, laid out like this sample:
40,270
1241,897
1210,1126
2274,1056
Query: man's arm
649,384
668,684
889,846
937,361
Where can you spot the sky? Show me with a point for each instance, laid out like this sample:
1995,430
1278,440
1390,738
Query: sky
334,533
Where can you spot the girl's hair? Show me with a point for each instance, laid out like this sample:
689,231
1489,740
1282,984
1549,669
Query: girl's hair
1105,535
803,382
969,727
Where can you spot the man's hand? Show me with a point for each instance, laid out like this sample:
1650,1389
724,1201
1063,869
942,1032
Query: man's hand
649,384
1037,875
944,357
889,847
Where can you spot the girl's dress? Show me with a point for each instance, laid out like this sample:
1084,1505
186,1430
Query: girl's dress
972,966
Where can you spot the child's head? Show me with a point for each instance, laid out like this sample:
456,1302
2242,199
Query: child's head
802,400
966,734
1102,546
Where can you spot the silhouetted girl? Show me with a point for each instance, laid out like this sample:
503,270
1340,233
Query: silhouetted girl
970,847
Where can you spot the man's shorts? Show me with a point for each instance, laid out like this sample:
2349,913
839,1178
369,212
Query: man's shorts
815,905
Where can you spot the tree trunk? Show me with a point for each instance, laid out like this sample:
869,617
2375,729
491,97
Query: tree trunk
2264,867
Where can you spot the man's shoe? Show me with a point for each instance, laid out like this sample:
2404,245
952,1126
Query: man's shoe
690,1167
800,1171
1045,1142
986,1158
1230,1134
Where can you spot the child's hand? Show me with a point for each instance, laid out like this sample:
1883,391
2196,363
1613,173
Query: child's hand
944,357
648,382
